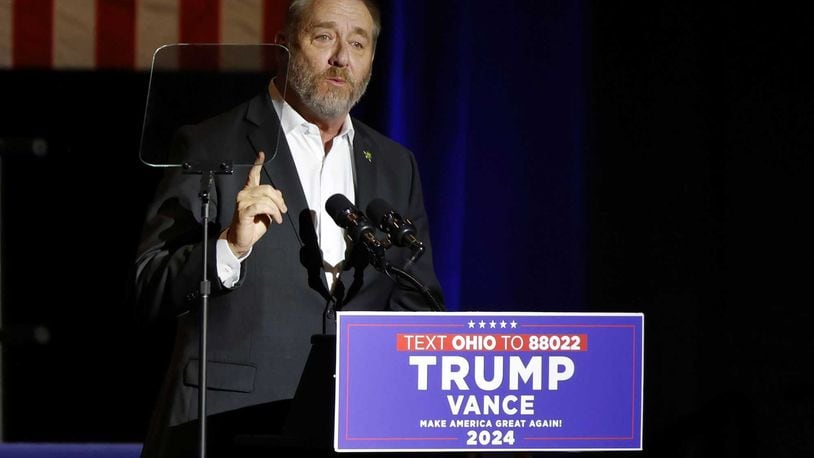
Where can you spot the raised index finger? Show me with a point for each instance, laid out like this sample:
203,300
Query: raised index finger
254,173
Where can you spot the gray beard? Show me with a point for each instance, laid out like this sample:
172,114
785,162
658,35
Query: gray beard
335,102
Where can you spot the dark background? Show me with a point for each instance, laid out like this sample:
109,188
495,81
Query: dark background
576,156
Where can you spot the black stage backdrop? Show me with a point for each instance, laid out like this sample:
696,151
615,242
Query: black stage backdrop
576,156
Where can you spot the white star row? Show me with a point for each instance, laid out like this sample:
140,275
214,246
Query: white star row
492,324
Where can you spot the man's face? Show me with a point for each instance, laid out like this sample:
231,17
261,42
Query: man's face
332,56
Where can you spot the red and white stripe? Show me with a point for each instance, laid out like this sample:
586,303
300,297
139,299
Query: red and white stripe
124,34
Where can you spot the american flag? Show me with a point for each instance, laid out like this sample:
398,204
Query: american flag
124,34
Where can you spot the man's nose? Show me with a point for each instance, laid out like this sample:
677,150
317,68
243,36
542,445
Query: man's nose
341,55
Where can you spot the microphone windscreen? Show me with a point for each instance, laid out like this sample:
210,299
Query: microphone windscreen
336,206
377,209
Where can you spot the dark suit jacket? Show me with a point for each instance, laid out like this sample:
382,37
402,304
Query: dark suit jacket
259,332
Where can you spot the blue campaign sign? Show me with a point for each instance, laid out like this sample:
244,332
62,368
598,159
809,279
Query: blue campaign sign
466,381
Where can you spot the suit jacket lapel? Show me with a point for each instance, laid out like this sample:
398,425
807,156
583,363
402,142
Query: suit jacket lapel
281,170
364,162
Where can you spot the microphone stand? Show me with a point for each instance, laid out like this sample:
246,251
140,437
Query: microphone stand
376,254
436,306
207,181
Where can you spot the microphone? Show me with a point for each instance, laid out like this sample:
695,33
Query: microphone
359,228
402,232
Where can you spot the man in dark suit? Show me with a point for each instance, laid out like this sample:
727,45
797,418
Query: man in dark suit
280,264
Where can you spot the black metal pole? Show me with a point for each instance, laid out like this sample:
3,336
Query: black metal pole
207,180
207,172
431,300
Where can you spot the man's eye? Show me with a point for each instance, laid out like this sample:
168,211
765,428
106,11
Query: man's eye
357,45
323,37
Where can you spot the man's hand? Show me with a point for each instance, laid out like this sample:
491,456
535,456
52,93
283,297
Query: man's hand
257,205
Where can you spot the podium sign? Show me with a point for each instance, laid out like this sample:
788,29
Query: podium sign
468,381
